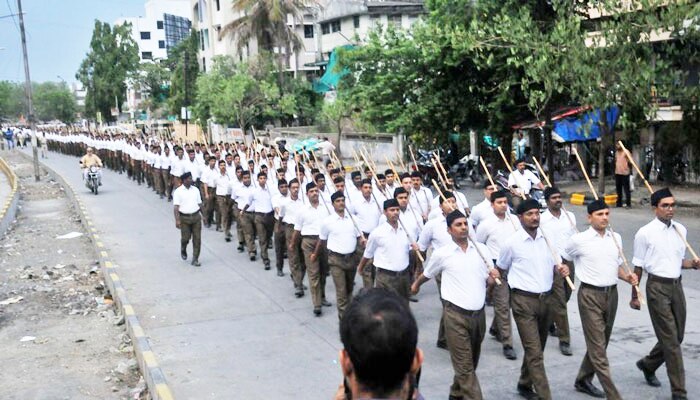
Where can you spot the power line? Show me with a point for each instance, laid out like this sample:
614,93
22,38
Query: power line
12,14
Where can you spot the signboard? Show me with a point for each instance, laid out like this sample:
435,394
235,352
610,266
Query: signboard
185,114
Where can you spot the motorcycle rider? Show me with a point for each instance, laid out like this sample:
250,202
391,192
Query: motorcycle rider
87,161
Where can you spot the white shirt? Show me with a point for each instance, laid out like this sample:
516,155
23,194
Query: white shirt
480,212
277,201
494,232
558,230
222,183
528,261
340,233
165,161
366,212
420,199
434,234
659,249
241,194
436,211
193,168
309,220
260,200
177,166
188,199
524,180
596,257
209,176
464,275
389,247
290,209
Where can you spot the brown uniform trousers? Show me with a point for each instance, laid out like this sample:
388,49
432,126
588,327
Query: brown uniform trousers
532,316
597,308
247,223
317,270
264,225
667,310
210,206
343,268
464,333
223,203
397,282
234,216
167,183
280,243
191,227
157,180
501,310
297,267
561,293
368,273
138,171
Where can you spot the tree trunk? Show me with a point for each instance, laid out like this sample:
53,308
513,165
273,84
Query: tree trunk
549,148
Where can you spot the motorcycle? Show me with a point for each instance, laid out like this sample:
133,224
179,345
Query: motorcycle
93,179
467,168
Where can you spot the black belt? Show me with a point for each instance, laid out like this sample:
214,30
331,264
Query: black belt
341,255
189,215
391,273
264,214
598,288
309,236
661,279
531,294
468,313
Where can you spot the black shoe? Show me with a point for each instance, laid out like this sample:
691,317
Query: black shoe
317,311
493,332
218,229
280,273
267,265
553,330
509,353
441,345
240,248
589,389
299,293
183,254
228,239
196,263
252,257
565,348
413,299
650,376
527,392
326,303
679,397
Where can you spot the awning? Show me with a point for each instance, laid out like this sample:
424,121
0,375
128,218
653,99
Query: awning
584,127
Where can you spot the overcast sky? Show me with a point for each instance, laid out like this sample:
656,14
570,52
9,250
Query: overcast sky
58,35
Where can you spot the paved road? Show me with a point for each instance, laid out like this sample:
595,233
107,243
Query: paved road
232,330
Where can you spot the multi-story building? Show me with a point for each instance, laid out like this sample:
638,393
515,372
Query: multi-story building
165,24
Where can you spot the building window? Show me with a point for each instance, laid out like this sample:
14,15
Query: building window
374,20
395,20
204,64
176,30
159,24
161,44
146,55
356,21
335,26
145,35
325,28
308,31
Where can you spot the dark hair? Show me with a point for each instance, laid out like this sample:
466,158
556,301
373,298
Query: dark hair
282,182
380,334
262,174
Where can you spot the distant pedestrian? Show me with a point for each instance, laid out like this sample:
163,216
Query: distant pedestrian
188,218
622,177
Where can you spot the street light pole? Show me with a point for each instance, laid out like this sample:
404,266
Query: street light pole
28,92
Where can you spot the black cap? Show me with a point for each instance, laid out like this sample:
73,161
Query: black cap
596,205
527,205
658,195
390,203
355,174
281,182
294,180
310,186
319,176
399,190
550,191
337,195
453,216
498,194
416,174
381,176
388,172
185,176
446,195
487,183
367,181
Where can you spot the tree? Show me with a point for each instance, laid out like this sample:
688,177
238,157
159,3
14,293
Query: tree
12,100
53,101
153,79
113,57
184,70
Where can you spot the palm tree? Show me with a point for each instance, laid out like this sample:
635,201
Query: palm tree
266,21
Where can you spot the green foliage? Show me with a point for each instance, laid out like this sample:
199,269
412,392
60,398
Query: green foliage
53,101
182,63
113,57
12,103
153,79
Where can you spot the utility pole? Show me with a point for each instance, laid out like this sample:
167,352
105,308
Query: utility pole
28,92
187,98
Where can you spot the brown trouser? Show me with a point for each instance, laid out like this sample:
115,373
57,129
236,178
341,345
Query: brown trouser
500,295
210,206
397,282
561,293
191,227
247,223
316,269
343,270
157,179
667,311
280,243
598,309
441,327
464,333
296,260
138,171
532,316
167,182
264,225
368,272
235,216
223,204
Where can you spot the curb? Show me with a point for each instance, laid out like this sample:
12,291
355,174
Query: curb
9,208
158,387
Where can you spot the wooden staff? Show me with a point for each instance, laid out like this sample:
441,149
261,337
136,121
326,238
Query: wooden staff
373,196
634,164
413,157
503,156
409,205
612,233
296,164
369,161
357,160
439,174
469,237
486,170
556,258
546,178
398,156
459,200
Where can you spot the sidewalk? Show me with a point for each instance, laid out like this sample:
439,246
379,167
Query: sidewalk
685,196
